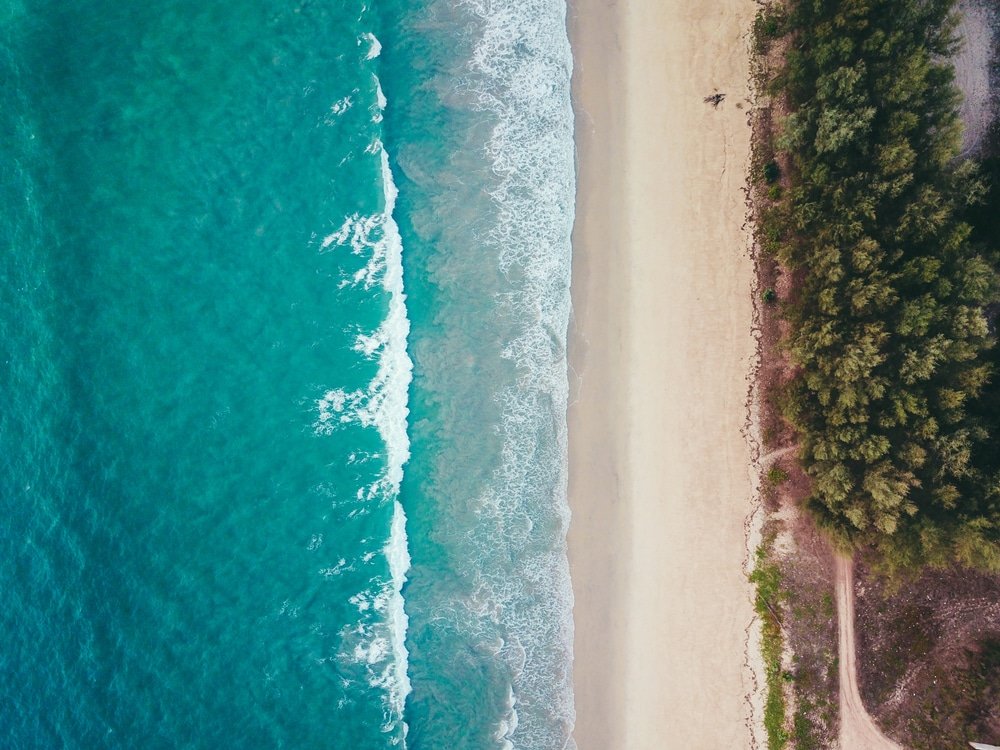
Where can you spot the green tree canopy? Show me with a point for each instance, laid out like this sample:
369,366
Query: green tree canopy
888,330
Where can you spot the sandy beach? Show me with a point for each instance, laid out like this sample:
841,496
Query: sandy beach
661,348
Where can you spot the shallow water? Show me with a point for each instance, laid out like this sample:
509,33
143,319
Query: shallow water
234,235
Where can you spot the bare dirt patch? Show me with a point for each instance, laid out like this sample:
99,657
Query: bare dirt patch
929,656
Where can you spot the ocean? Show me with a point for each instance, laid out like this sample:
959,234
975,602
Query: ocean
284,296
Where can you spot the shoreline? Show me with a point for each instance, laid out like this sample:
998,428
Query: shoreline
598,539
661,481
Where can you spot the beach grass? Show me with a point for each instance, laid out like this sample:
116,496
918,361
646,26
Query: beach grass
767,603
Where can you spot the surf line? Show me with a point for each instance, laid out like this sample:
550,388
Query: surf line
391,413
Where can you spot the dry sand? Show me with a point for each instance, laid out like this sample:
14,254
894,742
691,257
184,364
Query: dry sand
661,348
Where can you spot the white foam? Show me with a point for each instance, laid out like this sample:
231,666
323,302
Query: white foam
398,555
341,105
520,73
372,652
338,108
361,601
336,570
508,724
380,103
369,344
374,48
382,405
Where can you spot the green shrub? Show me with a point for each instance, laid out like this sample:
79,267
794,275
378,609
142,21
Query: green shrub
769,24
767,603
776,475
772,172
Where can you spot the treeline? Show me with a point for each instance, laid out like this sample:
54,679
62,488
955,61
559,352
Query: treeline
892,394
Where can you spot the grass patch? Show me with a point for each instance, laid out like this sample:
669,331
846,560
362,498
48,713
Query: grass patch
776,475
767,602
804,731
769,24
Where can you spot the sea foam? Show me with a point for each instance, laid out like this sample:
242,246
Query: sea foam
520,74
382,405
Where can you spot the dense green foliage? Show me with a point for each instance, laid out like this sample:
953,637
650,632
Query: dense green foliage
888,326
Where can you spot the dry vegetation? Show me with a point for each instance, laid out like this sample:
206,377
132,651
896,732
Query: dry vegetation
929,657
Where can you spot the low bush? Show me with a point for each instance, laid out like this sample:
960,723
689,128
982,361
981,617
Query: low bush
776,475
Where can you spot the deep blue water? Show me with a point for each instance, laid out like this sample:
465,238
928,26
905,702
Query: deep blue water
283,306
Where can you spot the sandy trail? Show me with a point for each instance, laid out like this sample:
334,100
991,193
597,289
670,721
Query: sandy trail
857,729
775,455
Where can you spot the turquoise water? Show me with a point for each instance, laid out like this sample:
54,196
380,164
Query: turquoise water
283,316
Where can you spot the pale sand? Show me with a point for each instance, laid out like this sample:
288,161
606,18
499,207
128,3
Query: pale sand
661,347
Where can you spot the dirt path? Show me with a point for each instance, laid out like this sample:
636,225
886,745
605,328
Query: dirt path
857,730
776,454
